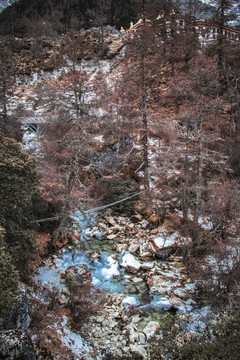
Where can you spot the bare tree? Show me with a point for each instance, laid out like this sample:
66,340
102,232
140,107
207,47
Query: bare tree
140,81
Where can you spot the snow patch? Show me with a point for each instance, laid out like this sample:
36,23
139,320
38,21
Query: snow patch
161,302
112,269
131,300
161,241
71,340
129,261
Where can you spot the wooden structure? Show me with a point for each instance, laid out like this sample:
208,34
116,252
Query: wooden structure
37,125
207,30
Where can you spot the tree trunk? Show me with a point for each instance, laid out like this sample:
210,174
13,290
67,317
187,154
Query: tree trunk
145,124
198,184
4,105
184,197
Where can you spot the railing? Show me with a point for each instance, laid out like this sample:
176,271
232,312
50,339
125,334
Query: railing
207,30
36,125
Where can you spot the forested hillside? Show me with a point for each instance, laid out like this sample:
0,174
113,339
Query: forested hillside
64,15
119,169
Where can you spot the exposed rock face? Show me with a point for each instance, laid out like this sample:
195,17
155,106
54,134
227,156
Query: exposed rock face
16,345
19,316
15,341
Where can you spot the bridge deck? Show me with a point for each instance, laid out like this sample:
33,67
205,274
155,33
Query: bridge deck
38,125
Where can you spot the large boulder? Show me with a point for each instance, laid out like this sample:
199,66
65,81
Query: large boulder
151,329
16,345
139,351
129,262
163,246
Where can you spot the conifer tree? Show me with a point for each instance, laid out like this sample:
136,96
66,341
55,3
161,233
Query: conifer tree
8,279
19,195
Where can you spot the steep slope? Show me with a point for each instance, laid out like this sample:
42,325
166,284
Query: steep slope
65,15
149,113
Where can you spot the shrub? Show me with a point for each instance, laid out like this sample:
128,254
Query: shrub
18,187
118,189
8,280
84,301
219,341
44,301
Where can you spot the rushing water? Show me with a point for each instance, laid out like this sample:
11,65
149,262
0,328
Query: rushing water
106,272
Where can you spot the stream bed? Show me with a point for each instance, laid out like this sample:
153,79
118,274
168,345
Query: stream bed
141,289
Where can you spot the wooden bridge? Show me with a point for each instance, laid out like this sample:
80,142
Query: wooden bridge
37,124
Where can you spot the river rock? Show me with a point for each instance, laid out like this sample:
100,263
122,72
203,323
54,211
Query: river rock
161,302
129,262
144,224
133,248
111,221
139,350
159,284
136,319
112,236
99,319
121,247
154,232
93,255
154,218
130,226
98,234
151,329
60,243
133,336
80,273
116,299
137,280
102,226
115,314
147,266
163,246
136,218
63,300
109,323
145,252
131,300
181,293
141,338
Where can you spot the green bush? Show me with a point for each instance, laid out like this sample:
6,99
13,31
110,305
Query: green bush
8,279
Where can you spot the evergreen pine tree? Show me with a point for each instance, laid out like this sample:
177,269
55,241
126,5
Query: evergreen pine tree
8,279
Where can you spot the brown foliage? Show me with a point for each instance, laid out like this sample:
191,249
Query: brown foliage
39,307
84,301
224,208
218,278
